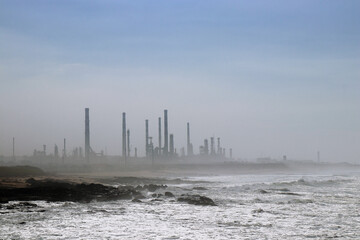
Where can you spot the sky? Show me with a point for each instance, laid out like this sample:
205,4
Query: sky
270,78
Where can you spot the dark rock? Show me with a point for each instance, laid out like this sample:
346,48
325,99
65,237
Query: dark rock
150,187
31,181
262,191
169,194
21,205
153,187
156,195
290,193
139,188
126,188
196,200
157,200
199,188
282,189
136,200
259,210
54,191
22,223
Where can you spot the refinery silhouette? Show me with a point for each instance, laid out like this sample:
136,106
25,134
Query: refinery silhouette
159,156
163,151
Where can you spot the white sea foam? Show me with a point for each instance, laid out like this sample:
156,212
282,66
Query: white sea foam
249,207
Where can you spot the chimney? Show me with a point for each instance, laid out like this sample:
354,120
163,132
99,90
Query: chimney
166,144
159,135
172,152
206,147
128,142
87,136
146,138
189,145
64,150
124,135
212,147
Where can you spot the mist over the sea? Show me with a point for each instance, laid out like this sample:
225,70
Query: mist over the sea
271,78
179,119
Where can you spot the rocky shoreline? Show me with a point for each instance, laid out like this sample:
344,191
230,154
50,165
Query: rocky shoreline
52,190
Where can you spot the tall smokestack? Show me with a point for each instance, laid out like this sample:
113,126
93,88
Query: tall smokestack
188,140
64,150
219,151
124,135
206,146
172,152
56,152
166,134
146,138
212,147
128,142
87,136
159,135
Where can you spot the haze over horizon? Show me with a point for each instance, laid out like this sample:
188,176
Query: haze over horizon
270,78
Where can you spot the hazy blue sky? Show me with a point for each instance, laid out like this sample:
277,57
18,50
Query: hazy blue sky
271,78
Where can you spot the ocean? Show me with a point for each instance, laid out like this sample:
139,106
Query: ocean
248,207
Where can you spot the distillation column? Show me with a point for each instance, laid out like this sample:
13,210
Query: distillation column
159,135
166,134
172,148
146,138
206,147
128,142
189,145
87,136
212,147
124,135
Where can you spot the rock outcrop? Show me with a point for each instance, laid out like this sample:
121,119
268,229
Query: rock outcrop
196,200
150,187
54,191
169,194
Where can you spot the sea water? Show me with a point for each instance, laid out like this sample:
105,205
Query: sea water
248,207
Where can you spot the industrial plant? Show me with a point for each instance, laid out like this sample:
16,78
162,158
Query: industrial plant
162,151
